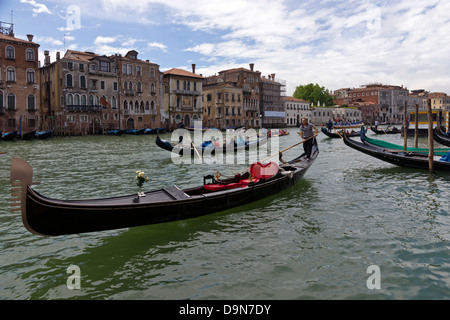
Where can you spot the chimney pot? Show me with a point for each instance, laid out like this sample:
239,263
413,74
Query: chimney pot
193,68
251,66
30,37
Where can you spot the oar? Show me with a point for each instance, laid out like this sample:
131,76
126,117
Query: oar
280,152
196,151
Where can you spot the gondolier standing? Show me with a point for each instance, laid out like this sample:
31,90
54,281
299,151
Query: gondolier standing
308,136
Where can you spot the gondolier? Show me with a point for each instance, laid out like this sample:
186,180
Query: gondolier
307,134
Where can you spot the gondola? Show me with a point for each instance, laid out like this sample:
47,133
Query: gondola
388,145
441,137
387,131
155,131
10,136
210,149
336,135
44,134
29,135
408,159
135,131
51,217
115,132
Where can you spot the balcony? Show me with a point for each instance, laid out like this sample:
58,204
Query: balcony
129,92
187,92
79,108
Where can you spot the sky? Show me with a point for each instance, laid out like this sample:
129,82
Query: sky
336,44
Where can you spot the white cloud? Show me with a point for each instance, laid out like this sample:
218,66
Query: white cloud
157,45
38,7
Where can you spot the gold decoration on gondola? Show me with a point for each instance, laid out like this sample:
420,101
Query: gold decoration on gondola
218,175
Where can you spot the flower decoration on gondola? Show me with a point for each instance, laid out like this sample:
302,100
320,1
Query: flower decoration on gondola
218,175
140,180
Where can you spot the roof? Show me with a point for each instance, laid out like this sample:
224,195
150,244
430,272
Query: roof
182,73
288,98
79,55
10,38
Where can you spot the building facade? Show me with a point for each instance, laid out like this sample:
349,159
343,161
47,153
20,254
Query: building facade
222,106
296,109
272,102
247,80
139,92
19,82
182,97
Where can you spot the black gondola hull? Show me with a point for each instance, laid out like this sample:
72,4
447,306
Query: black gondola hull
404,159
51,217
440,137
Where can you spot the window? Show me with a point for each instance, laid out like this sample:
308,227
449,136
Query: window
70,65
102,85
115,86
138,70
11,102
30,54
130,69
10,74
69,99
30,76
81,66
69,80
83,100
10,53
83,82
31,103
104,66
1,100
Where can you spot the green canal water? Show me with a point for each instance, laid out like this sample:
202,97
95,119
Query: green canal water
317,240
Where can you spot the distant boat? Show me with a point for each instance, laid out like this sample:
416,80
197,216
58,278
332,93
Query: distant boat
10,136
386,131
336,135
115,132
136,132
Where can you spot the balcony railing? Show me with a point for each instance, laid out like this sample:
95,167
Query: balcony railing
79,108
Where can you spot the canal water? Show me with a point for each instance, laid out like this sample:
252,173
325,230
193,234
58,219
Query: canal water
353,228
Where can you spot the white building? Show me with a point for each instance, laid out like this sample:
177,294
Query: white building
296,109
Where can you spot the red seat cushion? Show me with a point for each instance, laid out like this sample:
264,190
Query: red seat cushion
232,186
214,187
245,182
264,171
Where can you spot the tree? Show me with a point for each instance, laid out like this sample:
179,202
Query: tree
313,93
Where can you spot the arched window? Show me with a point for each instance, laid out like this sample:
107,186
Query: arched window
1,101
152,88
31,103
10,52
69,80
30,76
139,86
136,107
91,100
125,105
69,99
114,102
76,99
83,100
83,82
10,74
30,54
142,107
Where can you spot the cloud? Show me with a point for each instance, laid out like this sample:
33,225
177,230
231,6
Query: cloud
157,45
38,7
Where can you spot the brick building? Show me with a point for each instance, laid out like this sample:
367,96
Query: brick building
19,78
272,102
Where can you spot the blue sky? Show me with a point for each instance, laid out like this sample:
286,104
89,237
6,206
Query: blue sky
336,44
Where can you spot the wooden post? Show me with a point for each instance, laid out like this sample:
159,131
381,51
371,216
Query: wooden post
430,138
405,128
416,129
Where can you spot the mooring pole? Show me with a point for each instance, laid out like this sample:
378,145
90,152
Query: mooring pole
416,129
430,138
405,127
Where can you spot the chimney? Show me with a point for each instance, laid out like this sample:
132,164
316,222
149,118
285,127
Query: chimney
47,58
251,66
273,76
30,37
193,68
58,56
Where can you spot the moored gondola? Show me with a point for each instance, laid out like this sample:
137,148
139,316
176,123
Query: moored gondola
400,158
51,217
388,145
44,134
441,137
208,148
29,135
10,136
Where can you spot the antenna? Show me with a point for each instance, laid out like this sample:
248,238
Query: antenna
12,15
